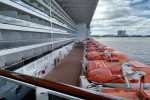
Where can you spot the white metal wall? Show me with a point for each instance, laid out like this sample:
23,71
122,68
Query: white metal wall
82,31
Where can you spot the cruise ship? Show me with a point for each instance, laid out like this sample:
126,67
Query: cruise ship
44,53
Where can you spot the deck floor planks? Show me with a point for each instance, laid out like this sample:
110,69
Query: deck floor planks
69,70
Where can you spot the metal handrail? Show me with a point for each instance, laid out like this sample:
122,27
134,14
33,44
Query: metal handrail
55,86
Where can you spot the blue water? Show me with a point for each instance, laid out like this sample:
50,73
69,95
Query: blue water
137,48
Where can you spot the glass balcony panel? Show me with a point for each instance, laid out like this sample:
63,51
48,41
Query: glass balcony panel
12,90
19,43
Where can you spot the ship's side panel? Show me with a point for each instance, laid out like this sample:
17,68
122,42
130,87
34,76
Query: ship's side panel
34,36
82,32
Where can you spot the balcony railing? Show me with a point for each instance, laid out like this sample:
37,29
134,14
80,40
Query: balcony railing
44,88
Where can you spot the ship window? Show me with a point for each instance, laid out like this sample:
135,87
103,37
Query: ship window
39,73
35,74
3,99
19,89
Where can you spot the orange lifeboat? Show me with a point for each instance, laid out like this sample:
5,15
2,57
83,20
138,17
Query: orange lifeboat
91,46
106,72
106,65
97,71
94,55
112,57
98,48
102,57
128,94
92,49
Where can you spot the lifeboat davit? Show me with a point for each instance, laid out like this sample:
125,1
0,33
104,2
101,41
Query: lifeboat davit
105,66
106,48
127,73
138,66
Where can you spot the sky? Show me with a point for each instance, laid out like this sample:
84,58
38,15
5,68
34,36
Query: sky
113,15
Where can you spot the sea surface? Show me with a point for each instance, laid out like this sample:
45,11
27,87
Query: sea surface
137,48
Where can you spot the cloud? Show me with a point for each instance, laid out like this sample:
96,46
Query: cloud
136,1
107,9
113,15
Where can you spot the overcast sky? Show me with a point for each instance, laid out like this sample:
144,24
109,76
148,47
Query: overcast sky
130,15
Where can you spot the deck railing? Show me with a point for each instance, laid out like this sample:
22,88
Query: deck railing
45,87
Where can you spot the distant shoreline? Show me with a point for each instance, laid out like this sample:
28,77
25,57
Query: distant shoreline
120,36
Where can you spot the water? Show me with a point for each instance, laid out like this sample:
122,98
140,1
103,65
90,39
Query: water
137,48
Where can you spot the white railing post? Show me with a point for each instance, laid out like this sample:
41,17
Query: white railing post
41,93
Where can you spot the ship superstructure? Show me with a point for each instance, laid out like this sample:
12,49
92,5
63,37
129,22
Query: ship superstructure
45,54
35,36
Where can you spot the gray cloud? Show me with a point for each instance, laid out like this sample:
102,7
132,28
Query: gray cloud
112,15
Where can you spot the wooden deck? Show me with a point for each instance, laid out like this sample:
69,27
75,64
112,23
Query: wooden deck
69,70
